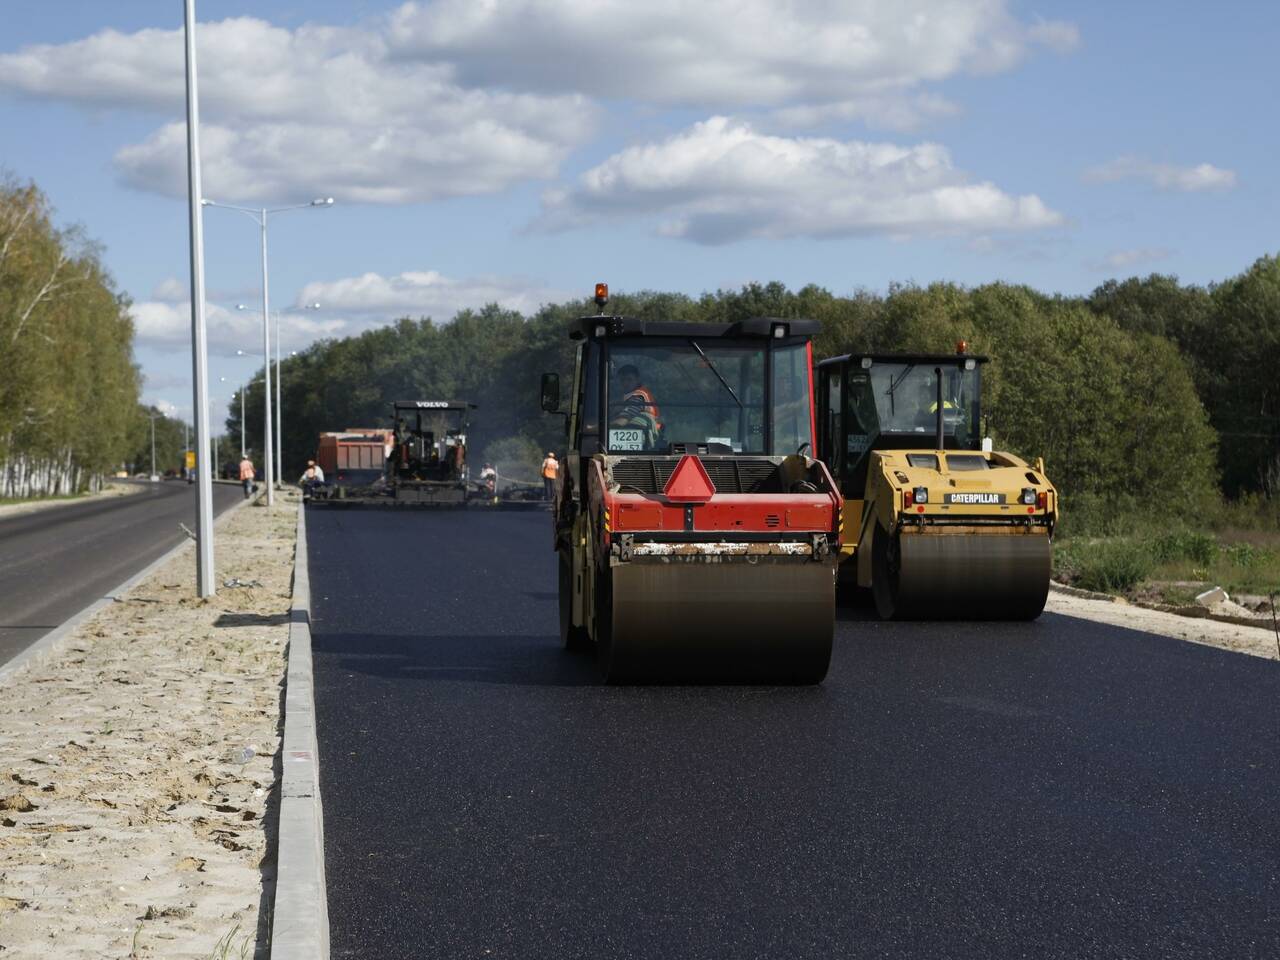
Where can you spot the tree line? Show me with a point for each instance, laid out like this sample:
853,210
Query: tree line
69,387
1147,393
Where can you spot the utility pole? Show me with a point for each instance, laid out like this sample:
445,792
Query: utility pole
199,343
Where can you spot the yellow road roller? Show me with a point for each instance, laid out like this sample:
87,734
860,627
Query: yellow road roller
938,526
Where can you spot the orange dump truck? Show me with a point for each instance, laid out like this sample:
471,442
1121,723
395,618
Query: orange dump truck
355,457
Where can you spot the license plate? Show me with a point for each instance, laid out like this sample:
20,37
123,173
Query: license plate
626,439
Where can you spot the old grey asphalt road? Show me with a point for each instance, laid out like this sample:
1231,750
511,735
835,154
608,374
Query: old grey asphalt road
55,562
1055,789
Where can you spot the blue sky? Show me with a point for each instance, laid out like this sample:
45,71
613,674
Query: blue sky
521,150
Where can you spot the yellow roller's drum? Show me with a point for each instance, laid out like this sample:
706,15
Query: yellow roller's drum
1001,575
764,620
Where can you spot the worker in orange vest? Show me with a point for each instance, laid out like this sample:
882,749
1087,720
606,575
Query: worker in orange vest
246,476
550,470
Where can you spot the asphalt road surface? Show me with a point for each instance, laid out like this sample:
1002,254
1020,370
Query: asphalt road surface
1054,789
57,561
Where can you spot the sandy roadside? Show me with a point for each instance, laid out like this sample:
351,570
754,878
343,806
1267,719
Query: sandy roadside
137,776
1251,640
108,492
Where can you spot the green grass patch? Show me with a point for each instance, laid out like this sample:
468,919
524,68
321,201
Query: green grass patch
1182,561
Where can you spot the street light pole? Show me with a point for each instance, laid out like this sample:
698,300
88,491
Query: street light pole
267,451
205,581
279,443
154,478
260,215
279,402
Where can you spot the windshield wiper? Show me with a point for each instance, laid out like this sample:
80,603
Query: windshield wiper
712,367
894,383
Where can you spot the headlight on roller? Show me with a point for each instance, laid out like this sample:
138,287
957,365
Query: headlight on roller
1029,496
920,494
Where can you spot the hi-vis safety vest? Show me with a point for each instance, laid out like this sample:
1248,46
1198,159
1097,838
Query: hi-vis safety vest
645,402
550,467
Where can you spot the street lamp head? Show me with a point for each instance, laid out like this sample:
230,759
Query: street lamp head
241,306
322,202
311,306
240,353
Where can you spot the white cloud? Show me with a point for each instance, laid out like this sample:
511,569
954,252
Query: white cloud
426,293
1163,176
719,53
720,181
166,381
348,306
167,327
170,290
895,112
312,111
1124,259
1057,35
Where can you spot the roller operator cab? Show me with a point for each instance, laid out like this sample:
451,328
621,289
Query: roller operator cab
938,526
696,535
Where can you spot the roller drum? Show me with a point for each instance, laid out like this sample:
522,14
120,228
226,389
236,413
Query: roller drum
769,621
970,576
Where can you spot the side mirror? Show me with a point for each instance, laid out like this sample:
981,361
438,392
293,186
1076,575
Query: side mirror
551,392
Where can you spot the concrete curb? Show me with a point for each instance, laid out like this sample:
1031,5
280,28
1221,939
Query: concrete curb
1190,612
300,919
1057,587
53,642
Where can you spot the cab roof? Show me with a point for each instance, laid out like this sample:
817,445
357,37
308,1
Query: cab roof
762,327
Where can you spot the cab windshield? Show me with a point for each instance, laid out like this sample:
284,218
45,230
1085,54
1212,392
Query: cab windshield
902,398
704,391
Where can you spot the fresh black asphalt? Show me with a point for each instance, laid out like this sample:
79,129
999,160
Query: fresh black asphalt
56,561
1054,789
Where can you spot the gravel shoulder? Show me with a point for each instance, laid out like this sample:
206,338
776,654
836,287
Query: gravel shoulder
138,770
1255,641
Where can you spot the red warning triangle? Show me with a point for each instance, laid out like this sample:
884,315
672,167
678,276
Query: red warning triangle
689,482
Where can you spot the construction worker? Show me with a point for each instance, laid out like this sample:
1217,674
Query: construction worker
639,409
247,475
489,477
311,478
550,470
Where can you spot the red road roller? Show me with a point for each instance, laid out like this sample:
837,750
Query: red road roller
697,539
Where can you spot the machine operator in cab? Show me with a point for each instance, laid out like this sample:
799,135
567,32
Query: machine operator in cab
639,408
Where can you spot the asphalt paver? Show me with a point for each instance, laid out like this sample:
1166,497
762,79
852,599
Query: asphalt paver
55,562
1052,789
